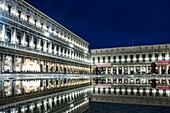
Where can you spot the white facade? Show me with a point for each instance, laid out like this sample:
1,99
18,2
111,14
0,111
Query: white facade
25,30
131,60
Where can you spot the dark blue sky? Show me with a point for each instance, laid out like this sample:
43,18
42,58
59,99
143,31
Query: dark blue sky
110,23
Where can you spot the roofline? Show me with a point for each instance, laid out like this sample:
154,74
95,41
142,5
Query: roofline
52,20
130,46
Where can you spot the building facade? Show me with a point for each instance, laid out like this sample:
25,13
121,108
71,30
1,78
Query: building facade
131,60
41,62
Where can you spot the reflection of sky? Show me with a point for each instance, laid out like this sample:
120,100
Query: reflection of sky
125,108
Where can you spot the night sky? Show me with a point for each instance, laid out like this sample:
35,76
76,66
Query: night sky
112,23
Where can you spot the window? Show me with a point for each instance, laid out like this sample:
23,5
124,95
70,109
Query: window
163,56
42,44
156,56
114,59
27,41
103,59
143,57
28,17
35,43
125,58
109,59
8,35
137,58
19,14
131,58
93,60
18,40
98,59
150,57
120,57
9,9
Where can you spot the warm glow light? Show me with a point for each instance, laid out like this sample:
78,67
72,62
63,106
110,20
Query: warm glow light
160,58
46,34
134,59
122,59
30,66
153,58
147,59
140,59
128,59
71,45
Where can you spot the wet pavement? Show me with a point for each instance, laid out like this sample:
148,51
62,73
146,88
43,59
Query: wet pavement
99,107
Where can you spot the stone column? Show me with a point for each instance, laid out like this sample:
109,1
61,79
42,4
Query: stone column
63,51
128,58
69,53
123,70
167,56
1,62
166,69
140,58
45,46
3,33
147,58
160,70
134,69
59,50
128,69
14,35
45,104
38,44
55,52
117,70
106,71
147,70
160,56
72,54
106,59
153,57
23,39
50,48
140,69
111,71
32,42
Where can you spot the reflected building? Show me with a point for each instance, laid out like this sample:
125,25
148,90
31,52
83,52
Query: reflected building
131,60
44,67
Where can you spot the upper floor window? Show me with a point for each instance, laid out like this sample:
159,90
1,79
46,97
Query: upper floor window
109,59
150,57
114,59
163,56
125,58
143,57
103,59
120,57
93,60
8,35
98,59
156,56
131,58
137,58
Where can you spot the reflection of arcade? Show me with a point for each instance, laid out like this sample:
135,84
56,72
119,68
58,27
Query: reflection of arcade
7,88
21,87
114,70
99,70
30,66
99,80
31,86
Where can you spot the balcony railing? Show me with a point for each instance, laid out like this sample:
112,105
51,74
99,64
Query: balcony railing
34,51
16,19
